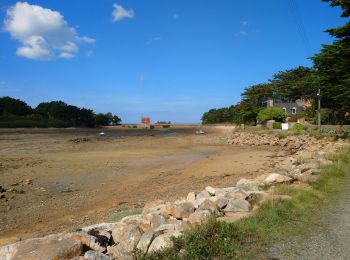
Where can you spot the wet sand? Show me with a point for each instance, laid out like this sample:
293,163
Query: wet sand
80,178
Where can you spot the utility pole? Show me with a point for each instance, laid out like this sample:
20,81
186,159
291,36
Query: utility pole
319,109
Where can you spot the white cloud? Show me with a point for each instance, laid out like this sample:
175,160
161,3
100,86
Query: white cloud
66,55
42,33
119,13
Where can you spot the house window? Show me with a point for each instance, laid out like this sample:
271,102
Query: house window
284,109
293,110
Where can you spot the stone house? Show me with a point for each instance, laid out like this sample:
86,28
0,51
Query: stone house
292,108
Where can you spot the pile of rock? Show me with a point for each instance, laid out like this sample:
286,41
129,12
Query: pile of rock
290,142
160,221
150,231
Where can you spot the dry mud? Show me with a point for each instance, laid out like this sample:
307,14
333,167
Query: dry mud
63,179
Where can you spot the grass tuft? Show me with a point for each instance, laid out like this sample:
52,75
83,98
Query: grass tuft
117,216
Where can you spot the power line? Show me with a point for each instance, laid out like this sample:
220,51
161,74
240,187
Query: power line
300,25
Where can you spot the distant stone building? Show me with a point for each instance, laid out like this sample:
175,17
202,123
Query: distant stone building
145,122
290,107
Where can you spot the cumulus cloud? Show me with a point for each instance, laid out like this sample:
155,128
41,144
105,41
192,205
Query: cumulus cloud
42,33
119,13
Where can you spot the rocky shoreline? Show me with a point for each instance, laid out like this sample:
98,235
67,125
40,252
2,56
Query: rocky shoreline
152,230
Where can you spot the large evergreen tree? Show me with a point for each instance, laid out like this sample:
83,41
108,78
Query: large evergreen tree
333,64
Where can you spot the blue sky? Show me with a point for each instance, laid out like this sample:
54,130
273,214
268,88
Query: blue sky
168,59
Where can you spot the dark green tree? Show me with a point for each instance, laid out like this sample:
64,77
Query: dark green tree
15,107
333,65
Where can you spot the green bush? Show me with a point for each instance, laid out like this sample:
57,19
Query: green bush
297,128
277,125
274,113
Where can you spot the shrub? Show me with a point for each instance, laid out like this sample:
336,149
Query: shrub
297,128
277,125
274,113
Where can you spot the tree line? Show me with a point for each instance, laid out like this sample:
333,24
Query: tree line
17,113
330,73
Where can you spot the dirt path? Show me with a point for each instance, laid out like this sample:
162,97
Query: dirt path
332,243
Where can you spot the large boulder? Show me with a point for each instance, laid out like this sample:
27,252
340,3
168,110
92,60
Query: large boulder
237,194
127,232
231,217
179,210
237,205
210,190
156,206
199,217
203,195
121,251
180,225
155,220
102,226
209,205
163,241
191,197
145,241
98,244
93,255
220,202
274,178
50,247
307,166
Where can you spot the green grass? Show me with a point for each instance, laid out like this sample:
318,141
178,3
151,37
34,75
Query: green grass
117,216
275,221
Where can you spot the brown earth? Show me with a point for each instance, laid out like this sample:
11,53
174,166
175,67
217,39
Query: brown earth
79,178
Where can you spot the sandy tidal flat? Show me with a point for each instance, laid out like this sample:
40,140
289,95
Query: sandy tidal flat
64,179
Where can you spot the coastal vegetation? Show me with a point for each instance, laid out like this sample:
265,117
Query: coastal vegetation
330,73
17,113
